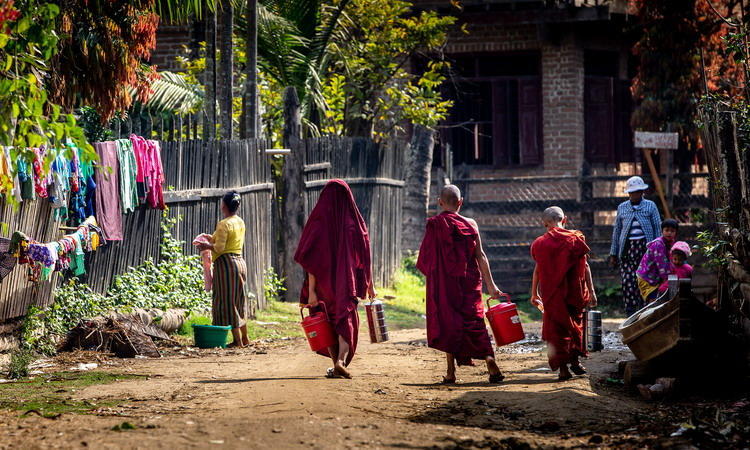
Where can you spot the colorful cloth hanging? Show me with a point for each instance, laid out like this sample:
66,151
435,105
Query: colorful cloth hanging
128,174
155,176
108,210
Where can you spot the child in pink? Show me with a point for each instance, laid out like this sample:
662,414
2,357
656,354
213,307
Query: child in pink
678,256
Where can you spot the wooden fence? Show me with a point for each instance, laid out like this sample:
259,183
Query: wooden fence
197,174
375,172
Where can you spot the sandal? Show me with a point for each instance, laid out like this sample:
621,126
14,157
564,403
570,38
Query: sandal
497,378
331,373
562,377
578,369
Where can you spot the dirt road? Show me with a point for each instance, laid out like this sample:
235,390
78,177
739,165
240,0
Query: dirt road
238,399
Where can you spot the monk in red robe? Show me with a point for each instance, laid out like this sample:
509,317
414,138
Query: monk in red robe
562,284
334,251
453,261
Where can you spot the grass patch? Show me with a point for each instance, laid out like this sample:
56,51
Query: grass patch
49,395
278,320
407,309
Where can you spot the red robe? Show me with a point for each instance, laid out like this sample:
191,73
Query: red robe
455,315
335,248
560,257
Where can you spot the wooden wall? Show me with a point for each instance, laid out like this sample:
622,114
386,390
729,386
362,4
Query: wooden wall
197,174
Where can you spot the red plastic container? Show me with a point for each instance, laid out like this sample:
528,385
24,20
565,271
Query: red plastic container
318,329
505,322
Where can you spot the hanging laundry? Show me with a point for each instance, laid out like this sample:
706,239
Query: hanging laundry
87,173
156,176
59,188
82,190
128,173
108,210
26,180
41,180
6,172
77,261
7,260
19,244
140,148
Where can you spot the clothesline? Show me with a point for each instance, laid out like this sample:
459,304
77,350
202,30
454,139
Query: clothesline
64,254
128,174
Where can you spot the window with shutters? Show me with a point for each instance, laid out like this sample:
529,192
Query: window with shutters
607,105
496,118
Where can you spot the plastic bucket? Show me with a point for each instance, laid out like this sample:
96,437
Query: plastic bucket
211,336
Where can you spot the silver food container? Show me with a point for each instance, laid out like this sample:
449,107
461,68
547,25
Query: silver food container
376,321
594,331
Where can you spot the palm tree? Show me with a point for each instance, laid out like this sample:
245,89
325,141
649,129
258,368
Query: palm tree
293,40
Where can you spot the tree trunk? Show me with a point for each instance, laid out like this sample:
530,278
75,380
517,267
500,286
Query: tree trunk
250,99
417,187
227,69
293,205
209,124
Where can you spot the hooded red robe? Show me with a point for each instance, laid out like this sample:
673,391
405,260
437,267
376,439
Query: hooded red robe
560,257
335,248
455,322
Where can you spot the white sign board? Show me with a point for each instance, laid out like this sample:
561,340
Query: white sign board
648,139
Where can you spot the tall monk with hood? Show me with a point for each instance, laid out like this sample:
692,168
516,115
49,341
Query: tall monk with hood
562,284
453,261
334,251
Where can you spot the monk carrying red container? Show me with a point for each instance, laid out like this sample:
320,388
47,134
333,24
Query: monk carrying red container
453,261
334,251
562,283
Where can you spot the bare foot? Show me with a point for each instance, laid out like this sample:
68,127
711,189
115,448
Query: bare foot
339,369
492,367
245,342
565,374
450,379
235,345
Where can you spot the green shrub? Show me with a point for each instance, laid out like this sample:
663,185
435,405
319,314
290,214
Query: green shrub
273,285
18,367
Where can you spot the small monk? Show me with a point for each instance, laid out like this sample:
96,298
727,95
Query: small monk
334,251
453,261
562,284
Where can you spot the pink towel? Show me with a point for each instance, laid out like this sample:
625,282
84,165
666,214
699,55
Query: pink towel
108,212
208,274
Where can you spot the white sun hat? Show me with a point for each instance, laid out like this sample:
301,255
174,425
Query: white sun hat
635,184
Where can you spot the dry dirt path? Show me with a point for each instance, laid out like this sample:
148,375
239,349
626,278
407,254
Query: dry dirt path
237,399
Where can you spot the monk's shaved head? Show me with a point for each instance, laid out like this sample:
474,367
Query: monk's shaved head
450,194
553,215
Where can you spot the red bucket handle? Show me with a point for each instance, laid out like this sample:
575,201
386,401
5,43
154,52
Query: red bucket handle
502,295
325,311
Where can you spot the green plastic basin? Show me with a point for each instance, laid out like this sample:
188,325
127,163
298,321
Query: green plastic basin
211,336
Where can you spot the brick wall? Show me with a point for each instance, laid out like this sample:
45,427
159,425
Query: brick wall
171,41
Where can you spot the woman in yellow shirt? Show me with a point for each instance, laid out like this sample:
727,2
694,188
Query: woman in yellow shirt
229,305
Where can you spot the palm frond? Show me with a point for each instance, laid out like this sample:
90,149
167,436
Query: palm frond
173,93
183,11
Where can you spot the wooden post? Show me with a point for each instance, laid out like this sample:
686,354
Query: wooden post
417,192
657,182
209,125
227,69
293,205
587,196
250,100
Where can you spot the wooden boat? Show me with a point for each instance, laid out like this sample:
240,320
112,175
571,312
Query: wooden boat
675,325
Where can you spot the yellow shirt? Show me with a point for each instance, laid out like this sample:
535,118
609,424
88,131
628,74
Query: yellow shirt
229,237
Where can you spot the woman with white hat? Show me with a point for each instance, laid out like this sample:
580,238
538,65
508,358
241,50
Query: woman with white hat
637,223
